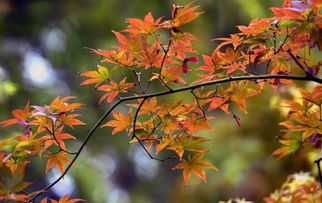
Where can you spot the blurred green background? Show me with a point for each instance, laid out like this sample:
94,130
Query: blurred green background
42,53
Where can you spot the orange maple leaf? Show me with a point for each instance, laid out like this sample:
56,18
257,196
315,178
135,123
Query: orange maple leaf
212,63
114,89
286,13
97,77
309,124
314,97
194,165
234,39
231,60
163,143
238,92
149,106
184,143
256,27
182,15
20,116
149,56
216,102
121,121
120,58
70,120
130,45
64,199
193,124
58,139
57,160
146,26
60,105
170,74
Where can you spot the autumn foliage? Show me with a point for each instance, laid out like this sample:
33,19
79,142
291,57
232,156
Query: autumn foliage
158,53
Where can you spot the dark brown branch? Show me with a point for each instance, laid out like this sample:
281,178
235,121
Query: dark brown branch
219,81
138,139
319,169
305,70
163,60
136,117
198,103
149,154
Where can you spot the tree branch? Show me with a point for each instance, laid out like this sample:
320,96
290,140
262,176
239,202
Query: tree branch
168,92
319,169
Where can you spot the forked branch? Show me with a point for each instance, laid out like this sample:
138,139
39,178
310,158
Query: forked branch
168,92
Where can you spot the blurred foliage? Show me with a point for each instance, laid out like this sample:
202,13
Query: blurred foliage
58,32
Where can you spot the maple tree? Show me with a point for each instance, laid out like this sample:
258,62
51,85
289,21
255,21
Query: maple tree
271,52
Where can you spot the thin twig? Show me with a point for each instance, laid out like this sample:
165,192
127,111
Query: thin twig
136,117
53,132
304,69
163,60
149,154
319,169
198,103
138,80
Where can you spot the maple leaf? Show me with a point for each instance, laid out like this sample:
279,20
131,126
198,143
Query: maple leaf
231,60
60,105
234,39
163,143
42,122
194,165
212,63
216,102
64,199
169,114
193,124
144,133
181,45
289,13
20,116
184,143
182,15
14,197
57,160
70,120
121,121
149,106
170,74
314,97
238,92
120,58
289,147
203,98
97,77
146,26
309,124
256,27
16,165
131,45
56,111
262,54
149,56
27,146
58,139
114,89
